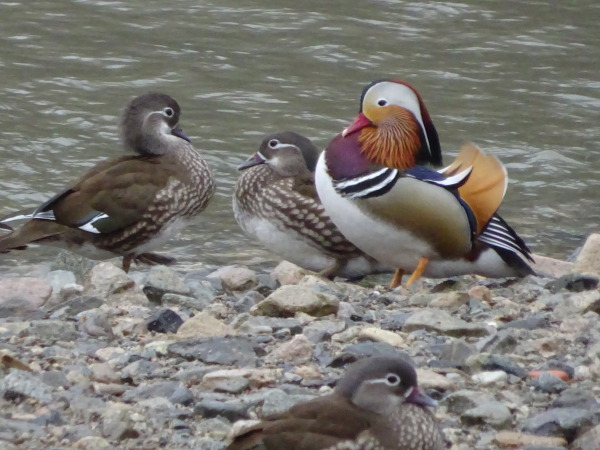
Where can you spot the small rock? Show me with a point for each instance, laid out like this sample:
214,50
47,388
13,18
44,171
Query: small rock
451,300
289,300
443,323
480,292
486,361
515,439
455,353
354,352
576,397
164,321
574,282
233,381
551,267
184,301
229,350
162,280
163,389
277,401
117,424
588,440
21,296
492,413
298,350
549,383
182,396
322,330
18,385
463,400
287,273
588,261
232,410
103,373
379,335
578,304
51,330
246,324
561,422
428,379
235,278
491,377
91,443
204,325
535,321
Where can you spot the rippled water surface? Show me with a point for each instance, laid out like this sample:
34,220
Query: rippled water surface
522,79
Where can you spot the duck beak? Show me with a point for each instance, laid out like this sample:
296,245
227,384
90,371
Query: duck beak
180,134
359,123
416,397
254,160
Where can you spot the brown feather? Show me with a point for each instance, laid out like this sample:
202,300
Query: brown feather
486,186
395,141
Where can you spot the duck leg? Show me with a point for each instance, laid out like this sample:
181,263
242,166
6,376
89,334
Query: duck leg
127,262
330,271
421,266
397,279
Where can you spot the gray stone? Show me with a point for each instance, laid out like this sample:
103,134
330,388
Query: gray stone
182,396
72,262
139,369
146,391
442,322
18,385
588,440
55,379
51,330
353,352
487,361
59,278
503,341
455,353
19,297
246,302
117,424
562,422
247,323
76,305
235,278
96,323
291,299
185,301
164,321
228,350
322,330
231,410
491,413
162,280
588,261
574,282
277,401
576,397
463,400
549,383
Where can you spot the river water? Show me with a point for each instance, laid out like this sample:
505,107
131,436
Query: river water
521,79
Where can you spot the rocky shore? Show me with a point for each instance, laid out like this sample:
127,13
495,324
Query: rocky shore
178,357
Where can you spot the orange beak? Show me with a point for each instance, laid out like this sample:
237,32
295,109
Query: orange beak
359,123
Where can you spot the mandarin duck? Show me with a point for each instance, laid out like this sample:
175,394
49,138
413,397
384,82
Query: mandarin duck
376,183
376,405
275,202
127,205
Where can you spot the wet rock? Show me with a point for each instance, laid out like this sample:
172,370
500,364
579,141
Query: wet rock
515,439
235,278
298,350
561,422
163,280
289,300
230,350
204,325
493,413
443,323
164,321
588,261
287,273
19,297
574,282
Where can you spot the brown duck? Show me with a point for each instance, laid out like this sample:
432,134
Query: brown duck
376,405
128,205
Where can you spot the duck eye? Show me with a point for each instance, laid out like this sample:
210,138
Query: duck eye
382,102
273,143
392,379
168,112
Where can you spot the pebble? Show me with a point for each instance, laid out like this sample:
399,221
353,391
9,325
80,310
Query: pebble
235,278
21,296
163,280
93,376
164,321
291,299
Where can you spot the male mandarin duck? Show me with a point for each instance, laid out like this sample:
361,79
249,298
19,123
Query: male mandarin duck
376,405
127,205
373,182
275,201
